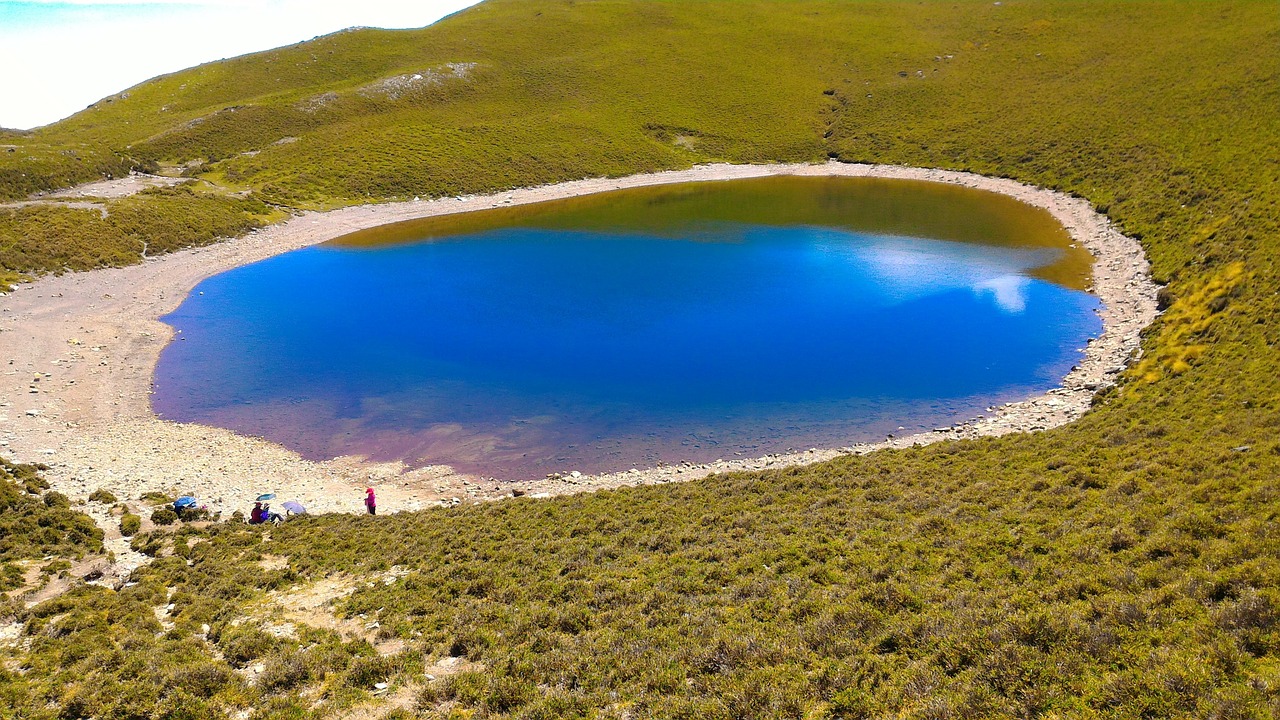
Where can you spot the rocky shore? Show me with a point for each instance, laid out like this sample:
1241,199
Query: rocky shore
80,349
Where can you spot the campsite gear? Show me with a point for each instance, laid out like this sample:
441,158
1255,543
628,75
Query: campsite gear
267,496
293,507
186,502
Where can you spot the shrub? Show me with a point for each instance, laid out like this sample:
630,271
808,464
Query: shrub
56,500
10,577
164,516
365,671
283,672
130,524
193,514
103,496
244,644
202,679
148,543
56,567
32,527
506,693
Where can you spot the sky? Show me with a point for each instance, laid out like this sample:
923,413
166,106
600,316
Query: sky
56,58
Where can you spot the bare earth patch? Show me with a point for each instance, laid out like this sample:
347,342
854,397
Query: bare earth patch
38,587
401,698
89,196
312,605
117,187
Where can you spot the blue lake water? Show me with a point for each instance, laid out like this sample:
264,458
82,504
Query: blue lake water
518,351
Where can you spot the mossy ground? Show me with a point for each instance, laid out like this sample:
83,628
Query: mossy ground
1123,566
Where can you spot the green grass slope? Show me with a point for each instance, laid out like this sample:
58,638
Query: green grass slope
1127,565
38,525
35,523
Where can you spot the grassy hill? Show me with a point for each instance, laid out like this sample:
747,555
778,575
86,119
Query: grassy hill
1127,565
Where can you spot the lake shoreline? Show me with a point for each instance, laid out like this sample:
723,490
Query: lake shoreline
75,393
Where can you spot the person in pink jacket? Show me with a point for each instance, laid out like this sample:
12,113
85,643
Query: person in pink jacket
370,503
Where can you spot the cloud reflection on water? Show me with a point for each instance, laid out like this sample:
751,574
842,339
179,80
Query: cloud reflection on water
908,269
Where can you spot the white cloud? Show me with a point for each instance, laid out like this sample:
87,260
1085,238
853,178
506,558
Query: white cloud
61,56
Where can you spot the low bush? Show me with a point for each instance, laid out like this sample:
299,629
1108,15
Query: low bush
164,516
10,577
101,495
364,672
56,500
130,524
283,672
35,526
195,514
150,544
244,644
56,567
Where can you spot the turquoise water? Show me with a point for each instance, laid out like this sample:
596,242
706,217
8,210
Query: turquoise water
518,351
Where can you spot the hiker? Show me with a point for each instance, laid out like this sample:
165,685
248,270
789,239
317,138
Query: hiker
269,516
370,503
258,515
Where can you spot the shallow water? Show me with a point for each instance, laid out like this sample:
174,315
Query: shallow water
689,322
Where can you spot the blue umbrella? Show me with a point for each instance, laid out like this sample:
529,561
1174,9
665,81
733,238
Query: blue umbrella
294,507
265,497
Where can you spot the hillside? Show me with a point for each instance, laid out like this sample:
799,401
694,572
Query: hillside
1122,566
40,534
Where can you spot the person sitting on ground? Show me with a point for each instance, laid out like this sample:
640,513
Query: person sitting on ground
269,516
259,514
370,503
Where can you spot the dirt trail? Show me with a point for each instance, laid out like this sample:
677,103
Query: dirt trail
115,187
89,196
78,353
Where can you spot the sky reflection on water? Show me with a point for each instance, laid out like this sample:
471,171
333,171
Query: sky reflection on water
517,351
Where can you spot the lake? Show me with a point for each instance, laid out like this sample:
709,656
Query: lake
666,324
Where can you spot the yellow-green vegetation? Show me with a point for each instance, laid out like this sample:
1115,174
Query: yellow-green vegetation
104,496
1187,323
1127,565
130,524
29,165
52,238
37,523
